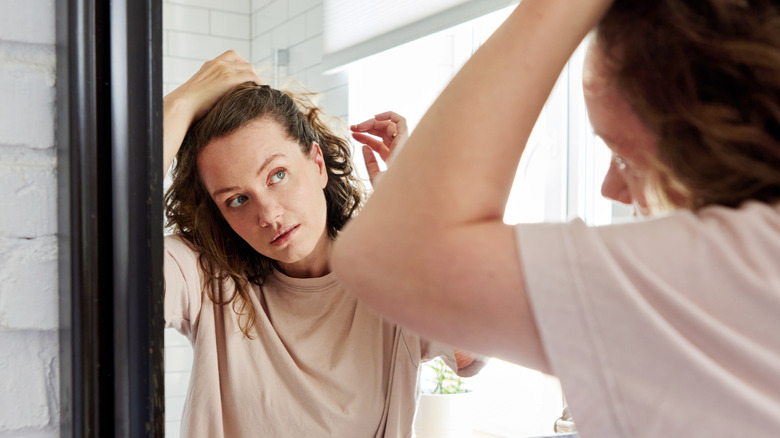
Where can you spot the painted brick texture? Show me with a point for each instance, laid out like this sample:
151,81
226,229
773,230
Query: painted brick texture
29,356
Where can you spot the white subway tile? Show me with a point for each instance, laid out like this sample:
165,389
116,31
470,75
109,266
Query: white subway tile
240,6
265,68
314,22
176,71
320,82
306,54
258,4
172,428
178,358
176,383
262,47
280,37
336,101
231,25
296,7
175,339
296,29
173,409
204,47
269,17
186,19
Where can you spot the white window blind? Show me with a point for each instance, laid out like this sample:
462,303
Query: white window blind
357,29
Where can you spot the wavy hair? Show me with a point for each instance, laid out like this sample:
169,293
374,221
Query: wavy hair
704,76
190,211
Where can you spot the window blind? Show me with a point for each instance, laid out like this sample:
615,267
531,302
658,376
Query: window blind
355,29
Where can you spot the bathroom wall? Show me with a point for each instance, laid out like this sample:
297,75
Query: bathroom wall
29,357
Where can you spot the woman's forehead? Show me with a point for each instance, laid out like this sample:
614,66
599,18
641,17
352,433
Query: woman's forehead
612,117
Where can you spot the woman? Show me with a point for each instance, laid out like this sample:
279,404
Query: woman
662,327
260,190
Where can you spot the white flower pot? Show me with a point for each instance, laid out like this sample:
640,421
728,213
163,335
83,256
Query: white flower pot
444,416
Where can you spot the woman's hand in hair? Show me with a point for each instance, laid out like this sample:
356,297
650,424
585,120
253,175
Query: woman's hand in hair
384,134
192,100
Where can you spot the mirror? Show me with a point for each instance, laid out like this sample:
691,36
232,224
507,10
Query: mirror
284,40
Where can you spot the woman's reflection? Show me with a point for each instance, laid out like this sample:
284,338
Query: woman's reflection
261,188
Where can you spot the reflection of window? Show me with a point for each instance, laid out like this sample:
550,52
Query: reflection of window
559,177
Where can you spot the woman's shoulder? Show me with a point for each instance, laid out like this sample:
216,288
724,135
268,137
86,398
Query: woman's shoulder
177,244
180,252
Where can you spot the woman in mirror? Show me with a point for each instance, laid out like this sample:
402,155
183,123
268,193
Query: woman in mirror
663,327
261,187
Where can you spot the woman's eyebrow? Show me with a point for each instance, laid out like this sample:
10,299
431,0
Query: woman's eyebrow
259,171
268,161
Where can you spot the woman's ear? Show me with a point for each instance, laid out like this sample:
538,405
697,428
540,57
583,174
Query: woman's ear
315,154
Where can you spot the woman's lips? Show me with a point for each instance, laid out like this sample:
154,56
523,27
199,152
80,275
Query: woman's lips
285,236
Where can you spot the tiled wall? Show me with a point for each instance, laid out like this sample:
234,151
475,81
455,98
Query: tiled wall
195,31
296,25
29,358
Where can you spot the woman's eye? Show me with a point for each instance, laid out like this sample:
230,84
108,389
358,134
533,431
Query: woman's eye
278,176
237,201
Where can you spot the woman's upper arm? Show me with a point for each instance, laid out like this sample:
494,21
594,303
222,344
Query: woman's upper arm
464,287
182,286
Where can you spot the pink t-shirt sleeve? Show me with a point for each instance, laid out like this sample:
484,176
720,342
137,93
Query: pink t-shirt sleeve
183,287
663,327
422,350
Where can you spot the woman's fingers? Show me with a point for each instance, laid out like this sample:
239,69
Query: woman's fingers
389,126
384,129
397,119
378,146
214,79
371,164
231,55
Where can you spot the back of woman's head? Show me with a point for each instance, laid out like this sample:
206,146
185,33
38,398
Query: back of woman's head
704,76
192,213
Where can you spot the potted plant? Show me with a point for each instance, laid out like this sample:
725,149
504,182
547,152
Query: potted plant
445,407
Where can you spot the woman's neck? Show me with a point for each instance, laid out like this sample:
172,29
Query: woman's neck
316,264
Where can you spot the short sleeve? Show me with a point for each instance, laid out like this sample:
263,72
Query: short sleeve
183,286
662,327
423,350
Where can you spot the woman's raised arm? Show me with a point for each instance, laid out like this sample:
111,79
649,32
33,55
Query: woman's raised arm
430,249
192,100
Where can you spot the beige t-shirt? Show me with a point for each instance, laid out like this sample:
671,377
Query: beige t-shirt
321,363
663,328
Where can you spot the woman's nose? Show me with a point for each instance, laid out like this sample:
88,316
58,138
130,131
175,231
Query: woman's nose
615,186
269,211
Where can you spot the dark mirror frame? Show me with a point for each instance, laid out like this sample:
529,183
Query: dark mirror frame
109,111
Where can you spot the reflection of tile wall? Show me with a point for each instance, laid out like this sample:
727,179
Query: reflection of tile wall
296,25
195,31
178,362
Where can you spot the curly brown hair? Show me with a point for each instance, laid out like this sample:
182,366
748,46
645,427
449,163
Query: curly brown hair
704,76
190,211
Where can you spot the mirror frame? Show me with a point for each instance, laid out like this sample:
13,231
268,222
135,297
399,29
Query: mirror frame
109,163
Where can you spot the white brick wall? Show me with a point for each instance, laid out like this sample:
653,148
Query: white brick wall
29,361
